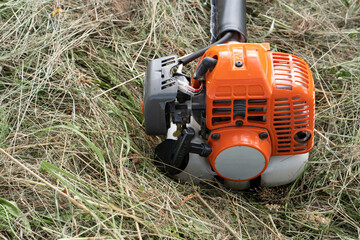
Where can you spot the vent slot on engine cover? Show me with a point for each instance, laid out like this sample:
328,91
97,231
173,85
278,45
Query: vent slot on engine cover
256,110
221,111
290,116
229,111
289,71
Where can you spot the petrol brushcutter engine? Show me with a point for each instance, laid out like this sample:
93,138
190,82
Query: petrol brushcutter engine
246,115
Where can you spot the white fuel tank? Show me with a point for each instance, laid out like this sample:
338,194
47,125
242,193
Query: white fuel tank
281,170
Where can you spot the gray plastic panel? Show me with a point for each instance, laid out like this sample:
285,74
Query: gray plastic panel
159,89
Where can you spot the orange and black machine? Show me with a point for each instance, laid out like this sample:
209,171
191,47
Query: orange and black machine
244,117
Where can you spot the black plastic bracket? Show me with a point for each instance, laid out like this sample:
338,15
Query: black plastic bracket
180,113
173,155
183,145
202,149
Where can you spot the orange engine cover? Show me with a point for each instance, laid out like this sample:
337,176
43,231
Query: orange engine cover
252,89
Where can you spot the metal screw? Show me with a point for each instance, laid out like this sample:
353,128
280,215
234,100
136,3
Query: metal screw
239,63
263,135
239,123
215,136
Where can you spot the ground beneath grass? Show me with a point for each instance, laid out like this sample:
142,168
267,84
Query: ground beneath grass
75,161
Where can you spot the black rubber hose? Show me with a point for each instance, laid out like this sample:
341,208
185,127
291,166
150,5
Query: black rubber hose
208,63
199,53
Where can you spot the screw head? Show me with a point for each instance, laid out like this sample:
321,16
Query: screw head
239,63
263,135
239,123
215,136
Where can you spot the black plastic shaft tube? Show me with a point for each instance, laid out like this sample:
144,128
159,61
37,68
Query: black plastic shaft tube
229,16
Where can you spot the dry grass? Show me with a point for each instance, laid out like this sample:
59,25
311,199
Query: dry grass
75,161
